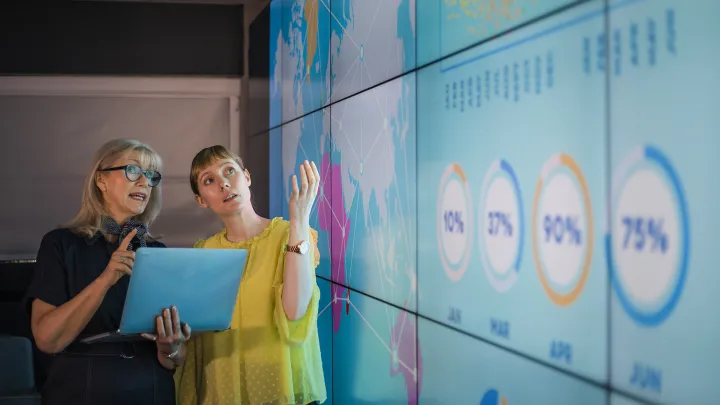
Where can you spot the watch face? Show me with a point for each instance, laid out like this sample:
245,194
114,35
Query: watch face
304,247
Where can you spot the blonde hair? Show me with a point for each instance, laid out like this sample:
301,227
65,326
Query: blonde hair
88,220
205,158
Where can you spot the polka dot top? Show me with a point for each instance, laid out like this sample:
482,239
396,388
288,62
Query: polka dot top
264,358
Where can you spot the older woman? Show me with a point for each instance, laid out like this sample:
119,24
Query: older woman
79,289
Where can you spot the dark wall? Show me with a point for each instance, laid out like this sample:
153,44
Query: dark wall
257,157
259,69
259,52
257,163
120,38
63,37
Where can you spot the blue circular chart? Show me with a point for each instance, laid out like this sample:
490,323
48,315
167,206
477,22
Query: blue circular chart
493,397
648,243
501,227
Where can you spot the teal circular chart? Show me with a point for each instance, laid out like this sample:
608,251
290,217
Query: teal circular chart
454,222
501,228
648,243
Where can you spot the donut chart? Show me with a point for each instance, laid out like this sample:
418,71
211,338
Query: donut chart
501,229
562,229
649,240
454,222
493,397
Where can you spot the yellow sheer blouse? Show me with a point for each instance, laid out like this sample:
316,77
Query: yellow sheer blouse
264,358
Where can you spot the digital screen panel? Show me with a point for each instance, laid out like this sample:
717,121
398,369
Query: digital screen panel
371,41
308,138
375,357
373,192
299,57
529,182
510,229
448,26
663,87
458,369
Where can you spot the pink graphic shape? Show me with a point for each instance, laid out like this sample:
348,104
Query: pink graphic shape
404,339
333,219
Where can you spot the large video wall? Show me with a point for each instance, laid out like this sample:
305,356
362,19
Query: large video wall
518,200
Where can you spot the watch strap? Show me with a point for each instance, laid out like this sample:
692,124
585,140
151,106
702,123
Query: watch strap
300,248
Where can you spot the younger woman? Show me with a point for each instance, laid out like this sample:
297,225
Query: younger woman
271,354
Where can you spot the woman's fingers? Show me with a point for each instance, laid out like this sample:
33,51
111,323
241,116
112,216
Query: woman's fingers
126,242
187,332
124,258
125,262
126,255
309,184
175,321
312,180
122,268
167,322
294,185
316,173
303,179
160,327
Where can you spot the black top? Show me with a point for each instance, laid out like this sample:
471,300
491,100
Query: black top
66,264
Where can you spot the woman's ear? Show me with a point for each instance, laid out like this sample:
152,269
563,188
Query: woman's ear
200,201
100,182
247,177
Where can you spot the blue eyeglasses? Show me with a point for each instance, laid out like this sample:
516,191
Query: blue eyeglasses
133,173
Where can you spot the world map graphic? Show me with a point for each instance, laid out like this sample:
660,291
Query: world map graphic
364,146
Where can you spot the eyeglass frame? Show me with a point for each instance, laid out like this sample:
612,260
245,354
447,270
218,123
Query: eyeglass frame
142,173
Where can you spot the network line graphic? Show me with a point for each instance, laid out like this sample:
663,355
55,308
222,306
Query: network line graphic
364,147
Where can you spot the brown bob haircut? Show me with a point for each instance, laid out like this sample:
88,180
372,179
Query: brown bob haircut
205,158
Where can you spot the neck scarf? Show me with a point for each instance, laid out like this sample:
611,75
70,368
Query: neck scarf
111,227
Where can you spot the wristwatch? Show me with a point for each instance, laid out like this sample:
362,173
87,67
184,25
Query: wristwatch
301,248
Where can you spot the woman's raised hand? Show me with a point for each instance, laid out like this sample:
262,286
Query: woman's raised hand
121,261
302,200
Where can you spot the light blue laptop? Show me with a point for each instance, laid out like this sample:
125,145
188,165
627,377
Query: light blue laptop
202,283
